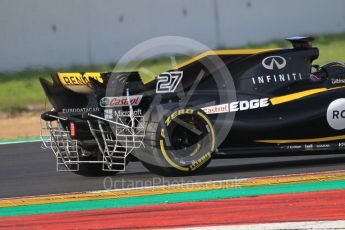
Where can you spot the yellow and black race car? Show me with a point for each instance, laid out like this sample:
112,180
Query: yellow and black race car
219,103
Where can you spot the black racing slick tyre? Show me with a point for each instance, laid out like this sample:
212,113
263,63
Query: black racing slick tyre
181,142
92,169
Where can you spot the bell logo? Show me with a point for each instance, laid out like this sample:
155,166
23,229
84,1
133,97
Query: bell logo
336,114
274,62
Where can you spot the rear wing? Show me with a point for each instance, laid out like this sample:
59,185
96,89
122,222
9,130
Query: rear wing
79,90
80,82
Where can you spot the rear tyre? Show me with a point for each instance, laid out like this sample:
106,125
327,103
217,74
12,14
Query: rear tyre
181,142
92,169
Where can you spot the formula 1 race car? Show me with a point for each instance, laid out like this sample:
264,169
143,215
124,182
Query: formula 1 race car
216,104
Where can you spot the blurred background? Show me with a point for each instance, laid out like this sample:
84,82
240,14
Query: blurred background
38,37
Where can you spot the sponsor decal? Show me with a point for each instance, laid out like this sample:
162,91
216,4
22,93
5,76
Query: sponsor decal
108,102
308,146
177,113
314,77
224,108
78,78
111,113
276,78
196,164
335,81
237,106
127,113
323,146
167,82
246,105
274,62
293,147
336,114
79,110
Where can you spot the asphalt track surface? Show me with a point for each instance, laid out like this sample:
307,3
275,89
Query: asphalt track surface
27,170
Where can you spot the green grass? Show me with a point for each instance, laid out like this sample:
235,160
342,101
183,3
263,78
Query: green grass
331,47
21,90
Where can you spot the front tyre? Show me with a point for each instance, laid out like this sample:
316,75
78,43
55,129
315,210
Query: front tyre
180,143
